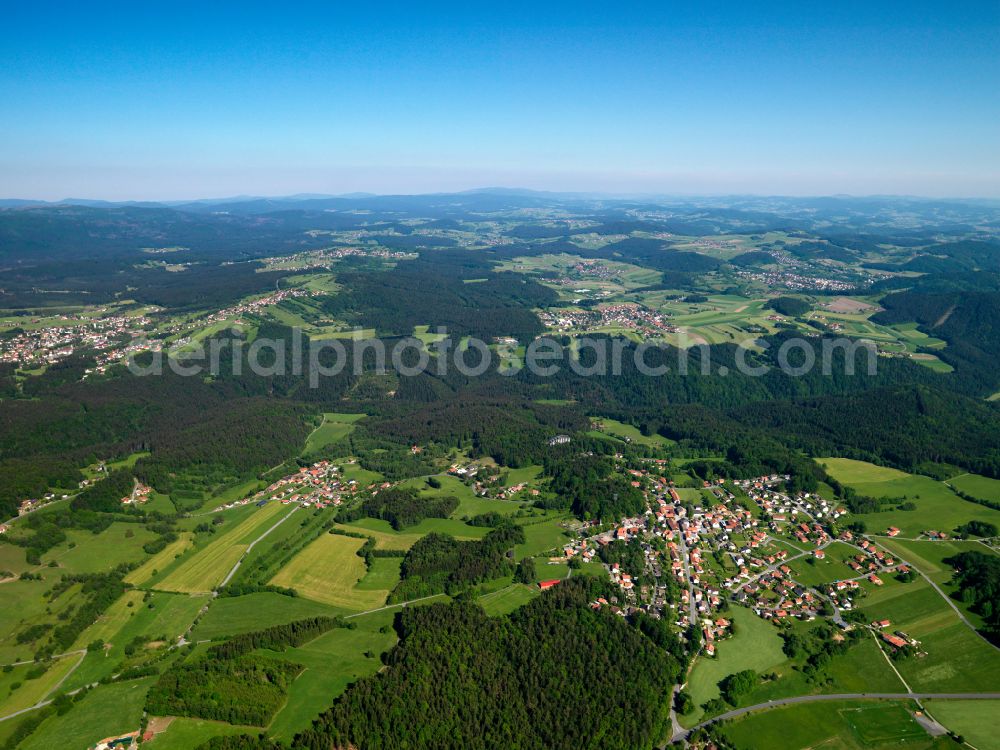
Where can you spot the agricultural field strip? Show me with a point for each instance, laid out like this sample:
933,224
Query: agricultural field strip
188,576
251,545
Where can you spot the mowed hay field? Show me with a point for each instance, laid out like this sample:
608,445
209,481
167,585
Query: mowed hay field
977,721
328,571
849,471
206,567
160,560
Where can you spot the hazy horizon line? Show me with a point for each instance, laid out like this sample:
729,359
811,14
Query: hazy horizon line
499,190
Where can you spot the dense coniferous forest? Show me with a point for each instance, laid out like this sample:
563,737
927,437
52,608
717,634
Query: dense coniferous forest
587,485
401,507
395,302
240,690
438,563
978,578
460,678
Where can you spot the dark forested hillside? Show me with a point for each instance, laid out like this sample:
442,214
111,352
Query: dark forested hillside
554,674
969,321
397,301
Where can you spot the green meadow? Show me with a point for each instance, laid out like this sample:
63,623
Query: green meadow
984,488
812,572
333,428
630,434
183,733
356,653
755,645
92,553
232,615
938,508
546,536
106,710
953,658
977,721
929,556
505,600
847,725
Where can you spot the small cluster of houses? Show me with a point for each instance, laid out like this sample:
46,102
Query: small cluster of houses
897,639
776,596
786,280
257,305
140,495
485,482
320,486
715,630
34,503
780,507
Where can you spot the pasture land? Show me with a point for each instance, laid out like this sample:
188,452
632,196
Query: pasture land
163,619
31,691
25,605
543,537
813,572
93,553
977,721
355,652
953,657
928,557
847,725
232,615
938,508
328,571
978,486
505,600
183,733
383,575
107,710
468,503
388,538
630,434
334,428
850,471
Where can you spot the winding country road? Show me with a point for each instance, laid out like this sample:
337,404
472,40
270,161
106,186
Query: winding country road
834,697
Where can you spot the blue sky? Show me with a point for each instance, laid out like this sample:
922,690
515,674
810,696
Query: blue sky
193,100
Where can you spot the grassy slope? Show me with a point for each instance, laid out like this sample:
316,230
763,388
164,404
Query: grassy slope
848,725
938,508
328,571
